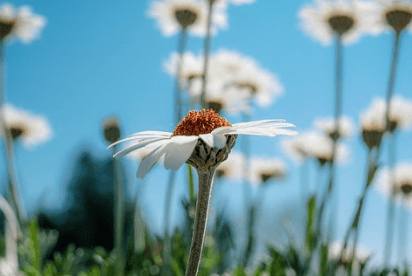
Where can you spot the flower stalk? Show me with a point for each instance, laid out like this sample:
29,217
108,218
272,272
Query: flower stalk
391,152
118,219
202,209
8,144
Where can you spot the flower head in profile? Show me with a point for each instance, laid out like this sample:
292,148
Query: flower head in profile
174,15
202,139
362,255
19,23
373,120
399,179
328,125
30,129
231,168
345,19
111,130
393,15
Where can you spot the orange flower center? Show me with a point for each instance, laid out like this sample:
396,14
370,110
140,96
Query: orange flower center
201,122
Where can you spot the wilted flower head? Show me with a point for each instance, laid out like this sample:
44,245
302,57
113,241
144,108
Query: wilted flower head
173,15
263,170
30,129
19,23
345,19
393,15
111,130
327,125
400,179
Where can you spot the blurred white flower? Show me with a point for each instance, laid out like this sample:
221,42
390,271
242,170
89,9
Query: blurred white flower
30,129
327,125
391,15
173,15
295,147
263,170
348,19
362,255
400,114
192,66
401,177
19,23
232,167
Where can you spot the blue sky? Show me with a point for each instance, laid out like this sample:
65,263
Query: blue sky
101,58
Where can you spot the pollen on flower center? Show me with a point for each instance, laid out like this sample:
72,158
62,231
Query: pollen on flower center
398,19
202,122
341,23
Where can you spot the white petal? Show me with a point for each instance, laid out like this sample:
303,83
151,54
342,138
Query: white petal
214,140
137,146
143,135
150,160
178,151
254,123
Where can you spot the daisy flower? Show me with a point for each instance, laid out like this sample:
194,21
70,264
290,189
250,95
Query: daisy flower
319,146
30,129
202,139
19,23
362,255
266,169
327,125
231,168
192,66
345,19
173,15
402,183
391,15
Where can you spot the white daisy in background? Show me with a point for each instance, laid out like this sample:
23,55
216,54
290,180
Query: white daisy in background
402,181
30,129
362,255
372,122
263,170
327,125
296,147
202,139
347,19
19,23
232,167
192,66
173,15
257,82
391,15
319,146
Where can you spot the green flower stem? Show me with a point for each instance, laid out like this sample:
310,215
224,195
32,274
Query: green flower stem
8,145
403,237
118,219
338,114
391,152
206,55
202,209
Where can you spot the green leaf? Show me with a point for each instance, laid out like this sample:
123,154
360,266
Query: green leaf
191,183
239,272
34,245
323,259
310,231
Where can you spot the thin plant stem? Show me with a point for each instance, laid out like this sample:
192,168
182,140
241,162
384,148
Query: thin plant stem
202,209
206,55
118,219
403,236
139,228
392,150
178,85
8,145
303,182
338,114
